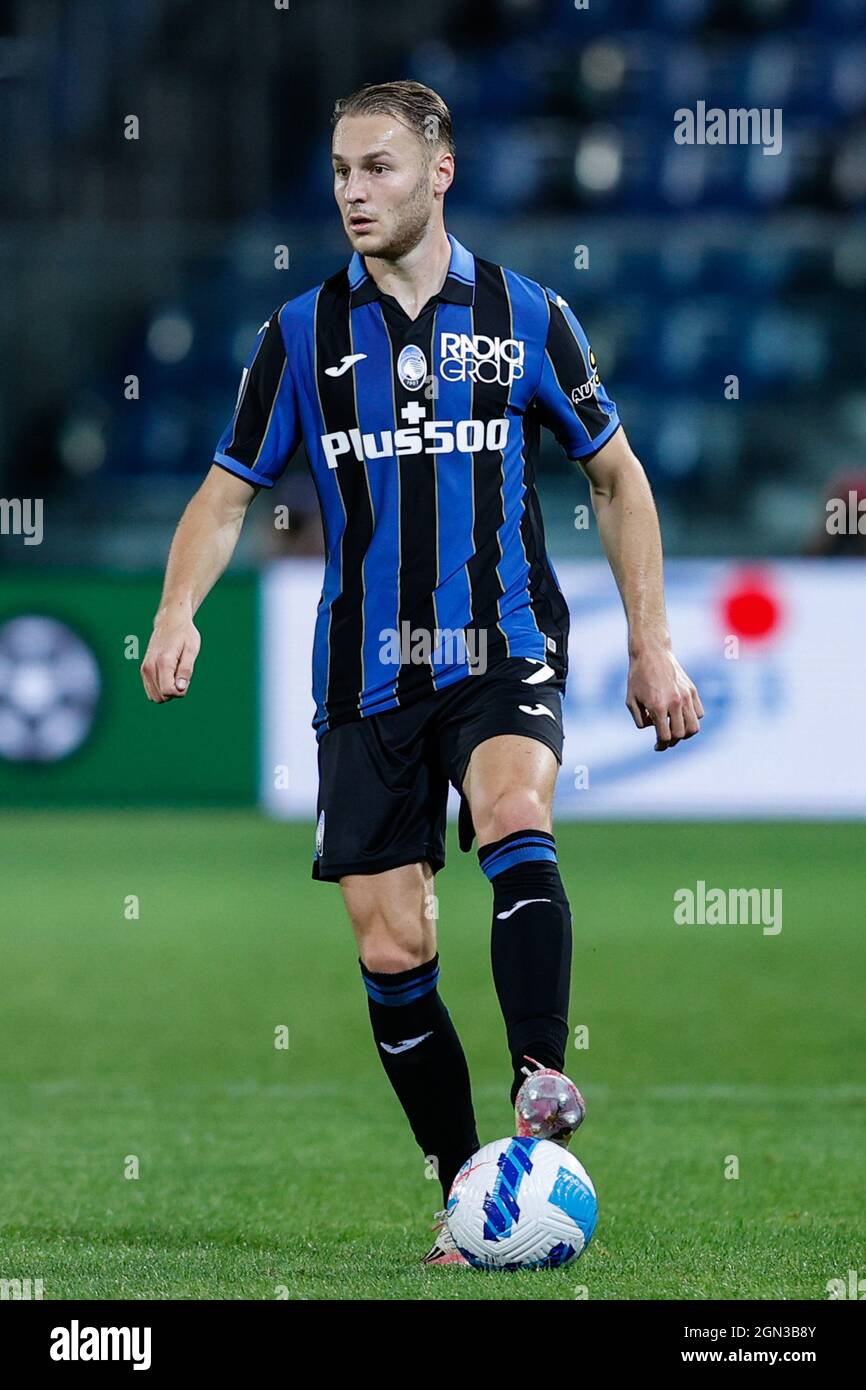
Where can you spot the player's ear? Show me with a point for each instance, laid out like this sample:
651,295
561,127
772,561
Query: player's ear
443,172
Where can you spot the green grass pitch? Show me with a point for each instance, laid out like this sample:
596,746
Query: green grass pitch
261,1170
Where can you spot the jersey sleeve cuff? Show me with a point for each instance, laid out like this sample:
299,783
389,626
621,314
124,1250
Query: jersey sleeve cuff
241,471
592,446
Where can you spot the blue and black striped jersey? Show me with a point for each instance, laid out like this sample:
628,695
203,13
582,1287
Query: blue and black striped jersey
422,437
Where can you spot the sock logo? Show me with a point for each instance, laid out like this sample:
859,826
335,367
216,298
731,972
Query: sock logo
404,1046
524,902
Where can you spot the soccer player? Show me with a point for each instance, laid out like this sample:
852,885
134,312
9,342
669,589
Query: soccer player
419,377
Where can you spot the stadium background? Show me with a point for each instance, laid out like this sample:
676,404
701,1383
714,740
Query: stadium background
142,846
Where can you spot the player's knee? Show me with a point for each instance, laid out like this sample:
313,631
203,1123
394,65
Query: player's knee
387,939
389,957
516,808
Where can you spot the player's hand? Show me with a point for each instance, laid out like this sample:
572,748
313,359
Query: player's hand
661,696
170,658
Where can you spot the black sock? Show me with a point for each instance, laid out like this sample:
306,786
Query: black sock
530,947
430,1078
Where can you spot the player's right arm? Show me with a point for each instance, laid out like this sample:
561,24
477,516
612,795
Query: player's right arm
252,452
203,544
575,405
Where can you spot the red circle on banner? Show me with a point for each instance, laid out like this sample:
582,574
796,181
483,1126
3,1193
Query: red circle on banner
751,609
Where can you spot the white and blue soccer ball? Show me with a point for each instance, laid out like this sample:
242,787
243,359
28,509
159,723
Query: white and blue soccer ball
522,1204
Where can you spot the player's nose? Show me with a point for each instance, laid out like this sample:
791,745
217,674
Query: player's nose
355,190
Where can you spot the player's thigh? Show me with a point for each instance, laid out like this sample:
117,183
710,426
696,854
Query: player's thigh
501,740
510,783
393,916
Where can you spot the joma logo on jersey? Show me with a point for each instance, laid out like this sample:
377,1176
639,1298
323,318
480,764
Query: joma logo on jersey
479,358
433,437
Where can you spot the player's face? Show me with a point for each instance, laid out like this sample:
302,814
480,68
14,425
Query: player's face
384,183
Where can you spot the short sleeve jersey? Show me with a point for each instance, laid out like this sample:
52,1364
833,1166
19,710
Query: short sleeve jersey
422,437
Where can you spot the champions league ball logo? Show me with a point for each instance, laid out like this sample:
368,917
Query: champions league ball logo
49,689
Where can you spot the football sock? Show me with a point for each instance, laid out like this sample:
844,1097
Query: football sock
424,1062
530,947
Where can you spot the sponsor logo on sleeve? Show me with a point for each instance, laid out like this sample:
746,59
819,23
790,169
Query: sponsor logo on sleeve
588,389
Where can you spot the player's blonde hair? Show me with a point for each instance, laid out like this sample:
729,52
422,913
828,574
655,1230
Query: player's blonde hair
417,106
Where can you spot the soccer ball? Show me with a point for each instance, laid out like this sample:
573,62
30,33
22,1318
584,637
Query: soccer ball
522,1204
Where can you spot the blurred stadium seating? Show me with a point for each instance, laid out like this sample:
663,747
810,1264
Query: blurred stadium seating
156,257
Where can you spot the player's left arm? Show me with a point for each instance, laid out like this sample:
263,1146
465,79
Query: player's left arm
572,401
659,693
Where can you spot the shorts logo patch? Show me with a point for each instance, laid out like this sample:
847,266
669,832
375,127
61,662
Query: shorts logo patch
320,835
543,673
539,709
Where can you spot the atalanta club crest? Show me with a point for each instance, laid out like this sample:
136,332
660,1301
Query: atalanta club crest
412,367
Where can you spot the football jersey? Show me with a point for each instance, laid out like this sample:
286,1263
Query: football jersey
422,438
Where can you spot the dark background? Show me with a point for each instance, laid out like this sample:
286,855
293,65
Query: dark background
155,256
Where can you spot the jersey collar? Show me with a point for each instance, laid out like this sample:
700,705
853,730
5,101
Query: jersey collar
459,286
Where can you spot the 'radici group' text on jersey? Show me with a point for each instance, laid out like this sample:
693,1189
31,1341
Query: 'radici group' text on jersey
422,438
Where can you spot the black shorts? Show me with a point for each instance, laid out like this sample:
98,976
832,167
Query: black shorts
383,781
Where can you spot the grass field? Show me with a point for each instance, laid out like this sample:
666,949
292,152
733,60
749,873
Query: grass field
261,1168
